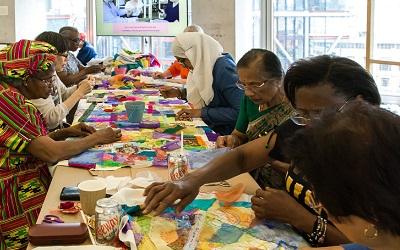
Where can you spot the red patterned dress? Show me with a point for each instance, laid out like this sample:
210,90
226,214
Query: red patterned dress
24,179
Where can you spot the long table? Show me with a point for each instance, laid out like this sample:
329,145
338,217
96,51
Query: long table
68,176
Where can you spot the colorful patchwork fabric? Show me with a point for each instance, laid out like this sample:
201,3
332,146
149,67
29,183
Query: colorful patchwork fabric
24,179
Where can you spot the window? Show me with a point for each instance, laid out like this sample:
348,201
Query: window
111,45
383,49
306,28
162,49
385,82
384,67
303,28
48,15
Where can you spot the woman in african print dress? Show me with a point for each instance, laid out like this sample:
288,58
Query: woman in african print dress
26,148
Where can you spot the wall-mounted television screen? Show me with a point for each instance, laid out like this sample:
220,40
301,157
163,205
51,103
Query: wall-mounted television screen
141,17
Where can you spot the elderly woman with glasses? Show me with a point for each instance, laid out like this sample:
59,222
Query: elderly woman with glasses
263,108
56,107
211,83
311,85
26,147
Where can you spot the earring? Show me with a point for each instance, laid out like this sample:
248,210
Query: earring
371,232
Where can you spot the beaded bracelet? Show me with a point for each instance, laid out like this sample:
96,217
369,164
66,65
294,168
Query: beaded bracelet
317,236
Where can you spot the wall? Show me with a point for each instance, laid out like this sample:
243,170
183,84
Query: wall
30,13
217,18
7,27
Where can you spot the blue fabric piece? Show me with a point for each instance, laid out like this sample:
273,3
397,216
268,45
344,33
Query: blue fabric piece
202,204
222,112
172,13
245,204
86,53
354,246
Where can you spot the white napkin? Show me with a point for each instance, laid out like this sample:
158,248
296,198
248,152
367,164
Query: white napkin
129,196
144,179
127,238
115,183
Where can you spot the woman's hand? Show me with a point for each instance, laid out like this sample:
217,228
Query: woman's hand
158,75
78,130
161,195
277,205
229,141
94,69
170,92
108,135
85,86
188,113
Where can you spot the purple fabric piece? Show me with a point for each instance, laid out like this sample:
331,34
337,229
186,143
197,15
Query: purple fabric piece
158,135
170,146
128,79
149,124
175,101
159,163
211,136
146,92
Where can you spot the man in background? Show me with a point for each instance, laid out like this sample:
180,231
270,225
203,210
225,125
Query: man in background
86,51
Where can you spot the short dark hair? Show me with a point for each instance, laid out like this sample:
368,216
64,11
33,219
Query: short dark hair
264,60
345,75
352,160
67,28
54,39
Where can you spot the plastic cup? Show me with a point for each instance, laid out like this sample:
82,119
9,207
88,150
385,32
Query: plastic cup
135,111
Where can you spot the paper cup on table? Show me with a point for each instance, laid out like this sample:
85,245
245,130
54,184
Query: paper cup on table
90,192
134,111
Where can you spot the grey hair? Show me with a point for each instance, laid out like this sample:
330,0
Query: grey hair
66,29
193,28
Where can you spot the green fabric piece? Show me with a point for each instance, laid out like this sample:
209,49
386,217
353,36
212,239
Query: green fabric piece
173,130
144,223
87,112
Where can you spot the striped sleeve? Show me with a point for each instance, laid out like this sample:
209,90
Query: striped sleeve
20,121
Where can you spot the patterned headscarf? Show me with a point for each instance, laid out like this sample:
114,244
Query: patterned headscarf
25,58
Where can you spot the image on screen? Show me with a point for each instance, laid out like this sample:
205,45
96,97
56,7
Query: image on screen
141,17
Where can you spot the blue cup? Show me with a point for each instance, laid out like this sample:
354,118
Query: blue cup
134,111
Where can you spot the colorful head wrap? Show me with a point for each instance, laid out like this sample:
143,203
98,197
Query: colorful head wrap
25,58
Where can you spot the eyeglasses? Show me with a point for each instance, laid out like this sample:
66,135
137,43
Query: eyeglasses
48,81
250,85
302,119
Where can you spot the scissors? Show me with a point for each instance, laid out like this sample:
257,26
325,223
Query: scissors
52,219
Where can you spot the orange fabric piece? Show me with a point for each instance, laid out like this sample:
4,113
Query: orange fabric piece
177,69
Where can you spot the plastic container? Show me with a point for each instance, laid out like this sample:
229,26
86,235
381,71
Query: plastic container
135,111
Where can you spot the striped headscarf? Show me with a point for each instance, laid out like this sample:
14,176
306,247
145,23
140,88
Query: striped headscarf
25,58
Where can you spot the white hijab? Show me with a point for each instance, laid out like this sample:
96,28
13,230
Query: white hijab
202,51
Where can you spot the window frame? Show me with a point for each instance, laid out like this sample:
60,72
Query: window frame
370,60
